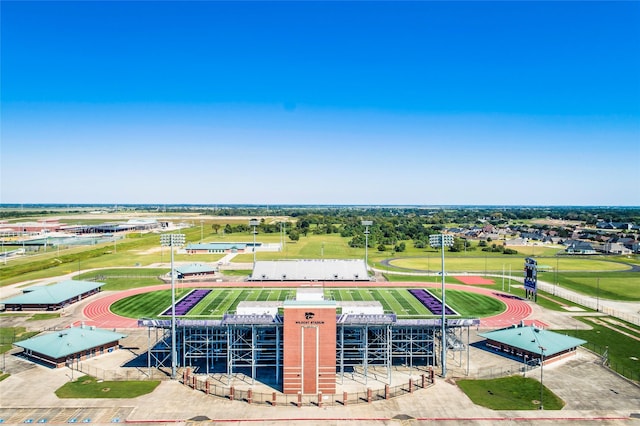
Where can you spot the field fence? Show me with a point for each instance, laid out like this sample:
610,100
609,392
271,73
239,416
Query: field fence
589,302
497,372
631,373
209,387
120,374
14,336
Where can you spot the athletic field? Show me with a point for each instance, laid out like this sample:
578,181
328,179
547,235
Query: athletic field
225,300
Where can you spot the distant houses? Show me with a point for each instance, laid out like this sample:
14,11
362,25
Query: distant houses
616,248
603,239
579,247
615,225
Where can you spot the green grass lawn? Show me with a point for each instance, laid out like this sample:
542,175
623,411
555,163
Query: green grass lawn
510,393
90,387
495,264
8,335
222,300
4,376
125,278
612,285
146,305
471,304
237,272
144,249
15,334
40,317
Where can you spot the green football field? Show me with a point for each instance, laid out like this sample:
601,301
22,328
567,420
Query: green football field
224,300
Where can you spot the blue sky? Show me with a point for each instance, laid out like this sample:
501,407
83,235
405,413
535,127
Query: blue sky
321,102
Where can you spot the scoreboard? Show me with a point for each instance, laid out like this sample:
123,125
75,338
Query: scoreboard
530,277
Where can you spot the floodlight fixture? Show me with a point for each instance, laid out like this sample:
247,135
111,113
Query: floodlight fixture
172,240
542,349
442,241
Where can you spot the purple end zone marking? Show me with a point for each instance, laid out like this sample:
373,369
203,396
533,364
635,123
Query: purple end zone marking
431,302
187,303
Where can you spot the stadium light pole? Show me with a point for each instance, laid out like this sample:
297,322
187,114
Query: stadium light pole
254,223
542,349
366,224
172,240
442,241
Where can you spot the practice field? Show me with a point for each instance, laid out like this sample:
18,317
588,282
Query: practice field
498,264
224,300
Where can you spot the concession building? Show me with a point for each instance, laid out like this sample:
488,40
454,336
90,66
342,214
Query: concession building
70,345
52,297
532,344
195,270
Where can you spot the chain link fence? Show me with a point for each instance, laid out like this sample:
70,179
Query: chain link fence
630,373
592,303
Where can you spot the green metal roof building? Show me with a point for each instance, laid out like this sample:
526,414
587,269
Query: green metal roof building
194,269
218,247
71,344
52,297
531,343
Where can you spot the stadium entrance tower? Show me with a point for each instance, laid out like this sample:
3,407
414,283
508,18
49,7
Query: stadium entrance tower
309,340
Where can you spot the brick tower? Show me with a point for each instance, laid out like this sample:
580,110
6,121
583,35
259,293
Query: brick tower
309,346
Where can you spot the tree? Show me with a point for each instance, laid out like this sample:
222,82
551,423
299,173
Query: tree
458,245
294,235
215,227
227,229
357,241
382,247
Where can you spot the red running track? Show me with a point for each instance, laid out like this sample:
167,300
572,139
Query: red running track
98,313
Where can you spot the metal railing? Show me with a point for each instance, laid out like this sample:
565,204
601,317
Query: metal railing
209,387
